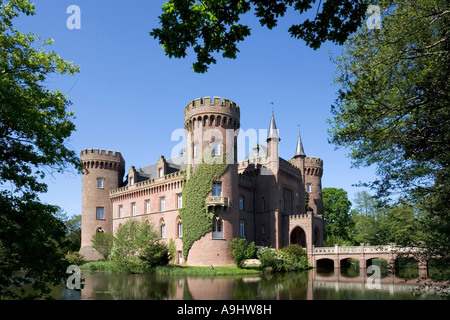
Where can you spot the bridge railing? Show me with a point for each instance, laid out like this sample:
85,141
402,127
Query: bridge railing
391,248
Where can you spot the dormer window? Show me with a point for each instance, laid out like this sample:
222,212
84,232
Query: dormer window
160,172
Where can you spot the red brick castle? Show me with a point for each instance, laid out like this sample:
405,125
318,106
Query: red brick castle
261,198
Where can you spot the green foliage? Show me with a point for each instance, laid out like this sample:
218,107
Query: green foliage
132,239
337,213
213,25
172,250
73,226
242,250
31,242
156,254
393,111
75,258
196,220
103,243
289,259
295,250
34,126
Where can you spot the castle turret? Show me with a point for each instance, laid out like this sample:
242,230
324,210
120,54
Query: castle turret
102,172
313,183
298,160
212,127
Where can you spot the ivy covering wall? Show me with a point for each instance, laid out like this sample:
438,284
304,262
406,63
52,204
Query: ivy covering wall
196,220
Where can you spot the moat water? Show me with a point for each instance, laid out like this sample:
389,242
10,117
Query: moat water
316,284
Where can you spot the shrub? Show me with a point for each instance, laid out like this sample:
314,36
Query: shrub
290,258
133,238
75,258
242,251
156,254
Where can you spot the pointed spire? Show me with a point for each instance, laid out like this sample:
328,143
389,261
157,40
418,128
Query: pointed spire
299,152
273,131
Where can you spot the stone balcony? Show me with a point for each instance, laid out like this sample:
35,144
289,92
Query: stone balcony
217,201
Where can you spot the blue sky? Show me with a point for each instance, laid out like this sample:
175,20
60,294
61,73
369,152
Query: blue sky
130,97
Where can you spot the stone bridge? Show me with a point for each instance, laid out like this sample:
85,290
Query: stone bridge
339,255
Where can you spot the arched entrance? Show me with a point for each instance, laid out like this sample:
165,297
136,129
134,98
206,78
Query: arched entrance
298,236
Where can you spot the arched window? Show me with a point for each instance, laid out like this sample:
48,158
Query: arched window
163,229
217,228
179,229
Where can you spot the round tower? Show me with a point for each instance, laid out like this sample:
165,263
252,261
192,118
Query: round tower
102,172
313,183
212,126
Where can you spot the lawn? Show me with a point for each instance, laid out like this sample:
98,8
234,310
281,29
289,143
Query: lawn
175,269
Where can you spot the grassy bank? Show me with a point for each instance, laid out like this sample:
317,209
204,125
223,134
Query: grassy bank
172,269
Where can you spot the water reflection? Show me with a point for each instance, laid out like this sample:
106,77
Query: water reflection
330,284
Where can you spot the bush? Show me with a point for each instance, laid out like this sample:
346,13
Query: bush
75,258
156,254
296,250
133,238
270,258
242,250
290,258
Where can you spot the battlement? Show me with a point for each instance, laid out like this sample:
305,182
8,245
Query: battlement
100,158
100,152
313,160
212,105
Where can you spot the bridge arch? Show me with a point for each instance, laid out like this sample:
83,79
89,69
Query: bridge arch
298,236
325,263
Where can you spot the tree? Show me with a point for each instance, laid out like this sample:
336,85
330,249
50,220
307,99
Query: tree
103,243
134,242
393,110
336,207
213,25
73,226
34,125
242,251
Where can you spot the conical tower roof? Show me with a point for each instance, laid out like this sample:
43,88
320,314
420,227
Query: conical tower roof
273,131
299,152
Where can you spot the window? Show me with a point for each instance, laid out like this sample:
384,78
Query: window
132,181
262,228
100,183
242,229
163,204
133,208
100,213
180,229
241,203
217,189
163,230
216,148
308,187
160,172
120,211
180,257
217,229
194,149
263,204
147,206
180,201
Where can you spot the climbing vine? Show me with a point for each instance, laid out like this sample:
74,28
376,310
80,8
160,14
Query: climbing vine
196,220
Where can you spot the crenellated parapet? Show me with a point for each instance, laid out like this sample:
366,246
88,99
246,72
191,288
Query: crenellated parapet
313,166
212,112
102,159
